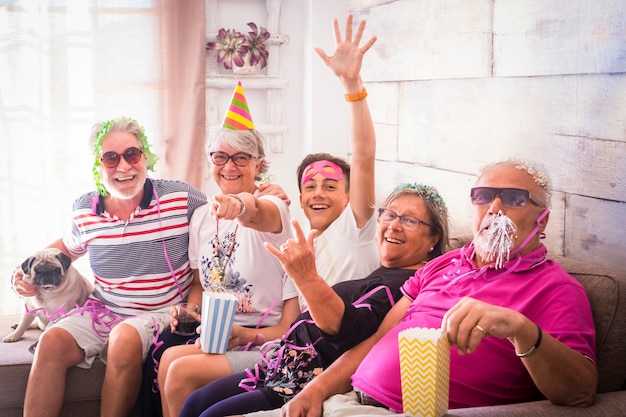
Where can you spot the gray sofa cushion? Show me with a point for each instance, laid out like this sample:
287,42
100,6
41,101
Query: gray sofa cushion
15,360
606,290
82,391
610,404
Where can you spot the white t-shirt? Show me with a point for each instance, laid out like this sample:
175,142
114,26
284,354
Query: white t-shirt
255,277
344,252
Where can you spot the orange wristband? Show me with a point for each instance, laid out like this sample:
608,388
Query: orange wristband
357,96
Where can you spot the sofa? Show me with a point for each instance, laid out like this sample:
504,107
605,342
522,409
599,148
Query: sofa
607,294
82,387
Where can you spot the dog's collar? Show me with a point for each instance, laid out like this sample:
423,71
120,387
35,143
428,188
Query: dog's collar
148,193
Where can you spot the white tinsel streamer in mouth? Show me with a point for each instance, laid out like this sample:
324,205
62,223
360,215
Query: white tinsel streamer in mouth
497,240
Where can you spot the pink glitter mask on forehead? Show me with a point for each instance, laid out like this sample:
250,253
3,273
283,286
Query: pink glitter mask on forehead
328,169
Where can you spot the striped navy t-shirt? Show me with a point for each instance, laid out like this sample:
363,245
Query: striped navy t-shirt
133,261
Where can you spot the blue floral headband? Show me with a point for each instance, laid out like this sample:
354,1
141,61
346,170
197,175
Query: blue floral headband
426,192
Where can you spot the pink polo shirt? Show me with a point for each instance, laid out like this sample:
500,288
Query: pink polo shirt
538,288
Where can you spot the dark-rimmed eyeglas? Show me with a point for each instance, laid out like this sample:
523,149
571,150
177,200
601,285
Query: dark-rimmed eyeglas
511,197
111,159
241,159
408,222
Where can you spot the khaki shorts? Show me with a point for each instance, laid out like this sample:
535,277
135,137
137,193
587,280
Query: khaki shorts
240,360
93,338
340,405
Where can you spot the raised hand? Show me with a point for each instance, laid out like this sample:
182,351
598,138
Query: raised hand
297,256
348,56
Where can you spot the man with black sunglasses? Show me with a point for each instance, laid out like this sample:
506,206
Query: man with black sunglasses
519,326
135,231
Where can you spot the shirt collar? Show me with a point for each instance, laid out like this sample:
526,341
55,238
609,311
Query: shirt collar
146,199
528,261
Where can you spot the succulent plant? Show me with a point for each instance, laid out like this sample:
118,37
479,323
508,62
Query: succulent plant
255,42
232,47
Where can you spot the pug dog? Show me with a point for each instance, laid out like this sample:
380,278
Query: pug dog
59,286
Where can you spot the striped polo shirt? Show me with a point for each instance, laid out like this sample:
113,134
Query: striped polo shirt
133,260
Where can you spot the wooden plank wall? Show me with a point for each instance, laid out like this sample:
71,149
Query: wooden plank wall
456,84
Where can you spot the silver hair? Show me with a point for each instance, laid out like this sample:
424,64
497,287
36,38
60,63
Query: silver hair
538,175
248,141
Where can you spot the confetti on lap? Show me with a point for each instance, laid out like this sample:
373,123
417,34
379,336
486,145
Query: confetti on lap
424,371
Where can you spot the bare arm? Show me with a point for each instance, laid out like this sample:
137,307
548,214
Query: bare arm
274,189
58,244
195,292
298,260
242,335
346,64
336,379
563,375
248,211
26,290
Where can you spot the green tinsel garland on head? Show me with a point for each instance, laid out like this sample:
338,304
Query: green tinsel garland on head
118,126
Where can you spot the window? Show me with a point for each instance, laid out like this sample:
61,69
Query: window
65,64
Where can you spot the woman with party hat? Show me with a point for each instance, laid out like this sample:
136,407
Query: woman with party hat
226,252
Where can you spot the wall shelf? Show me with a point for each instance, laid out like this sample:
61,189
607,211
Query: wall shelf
251,81
272,128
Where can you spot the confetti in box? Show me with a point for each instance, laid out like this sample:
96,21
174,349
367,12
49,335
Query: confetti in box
424,371
218,312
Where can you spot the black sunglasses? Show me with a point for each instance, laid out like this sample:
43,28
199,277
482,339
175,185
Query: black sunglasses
111,159
241,159
511,197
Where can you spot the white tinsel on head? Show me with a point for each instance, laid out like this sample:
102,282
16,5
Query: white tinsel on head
497,240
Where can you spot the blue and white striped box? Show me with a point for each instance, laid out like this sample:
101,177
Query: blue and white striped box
218,313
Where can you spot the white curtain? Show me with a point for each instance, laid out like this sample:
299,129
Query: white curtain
65,64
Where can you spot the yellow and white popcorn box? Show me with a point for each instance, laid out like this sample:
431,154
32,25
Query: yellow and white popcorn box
424,371
218,313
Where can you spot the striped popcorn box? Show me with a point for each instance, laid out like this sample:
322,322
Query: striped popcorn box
218,312
424,371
